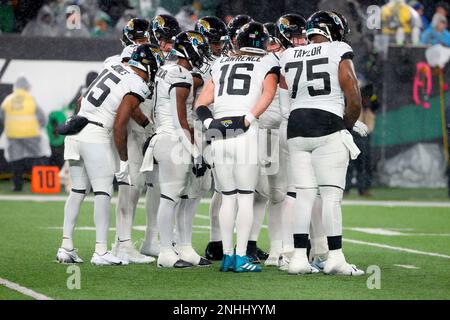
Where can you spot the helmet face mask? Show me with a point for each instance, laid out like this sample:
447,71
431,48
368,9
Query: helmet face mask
193,46
275,44
233,27
148,58
292,30
136,30
215,31
165,28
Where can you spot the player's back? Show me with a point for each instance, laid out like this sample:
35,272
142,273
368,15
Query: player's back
312,75
238,83
104,95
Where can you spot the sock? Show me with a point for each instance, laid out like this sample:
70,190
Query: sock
102,213
259,210
227,215
274,224
214,207
123,212
71,211
185,219
67,244
303,209
166,219
287,222
319,245
244,222
100,248
335,242
331,210
152,197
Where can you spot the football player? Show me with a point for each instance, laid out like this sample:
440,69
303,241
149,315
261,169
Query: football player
135,33
174,149
325,103
234,128
108,104
215,31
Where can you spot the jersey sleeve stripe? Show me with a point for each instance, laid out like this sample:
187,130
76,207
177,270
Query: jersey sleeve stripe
139,97
186,85
275,70
347,55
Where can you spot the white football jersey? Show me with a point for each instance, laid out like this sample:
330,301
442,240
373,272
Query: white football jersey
103,97
271,118
168,77
312,75
238,83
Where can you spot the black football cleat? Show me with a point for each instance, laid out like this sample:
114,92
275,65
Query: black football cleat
261,254
204,262
182,264
214,251
252,252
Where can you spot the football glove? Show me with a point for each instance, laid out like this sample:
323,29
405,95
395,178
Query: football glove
123,175
199,167
360,128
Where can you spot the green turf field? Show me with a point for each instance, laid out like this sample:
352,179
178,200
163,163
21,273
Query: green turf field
30,235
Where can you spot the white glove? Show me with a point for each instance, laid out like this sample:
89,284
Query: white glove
361,129
123,175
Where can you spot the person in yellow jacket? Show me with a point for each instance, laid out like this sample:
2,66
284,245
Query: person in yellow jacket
21,119
400,21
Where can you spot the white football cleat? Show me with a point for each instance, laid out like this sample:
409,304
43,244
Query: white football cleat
274,258
299,264
106,259
188,254
336,265
66,256
150,249
284,262
169,259
127,252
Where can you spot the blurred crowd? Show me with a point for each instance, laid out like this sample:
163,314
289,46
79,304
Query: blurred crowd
416,22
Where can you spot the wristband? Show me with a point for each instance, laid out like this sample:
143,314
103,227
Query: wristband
250,117
203,113
145,123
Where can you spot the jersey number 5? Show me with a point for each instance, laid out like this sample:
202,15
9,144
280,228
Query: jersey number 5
231,90
310,76
100,83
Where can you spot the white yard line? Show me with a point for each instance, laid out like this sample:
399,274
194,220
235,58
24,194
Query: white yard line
406,266
385,246
57,198
23,290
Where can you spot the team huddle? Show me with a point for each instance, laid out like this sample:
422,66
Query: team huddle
258,113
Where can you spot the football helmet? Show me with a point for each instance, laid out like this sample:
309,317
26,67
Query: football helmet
165,27
327,24
274,33
214,30
234,25
135,29
344,25
147,57
289,26
253,37
193,46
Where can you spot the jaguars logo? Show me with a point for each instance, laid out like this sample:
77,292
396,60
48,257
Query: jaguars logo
158,54
130,24
203,26
195,38
158,22
227,123
336,18
283,24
